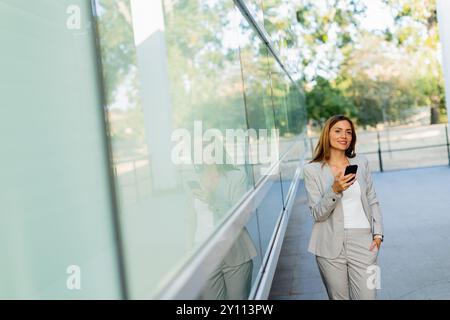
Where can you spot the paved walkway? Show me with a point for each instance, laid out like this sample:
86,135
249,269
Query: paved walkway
415,257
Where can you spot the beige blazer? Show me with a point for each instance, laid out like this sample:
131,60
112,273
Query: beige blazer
327,236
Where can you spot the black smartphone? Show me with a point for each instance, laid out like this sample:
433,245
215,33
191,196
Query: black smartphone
194,184
353,168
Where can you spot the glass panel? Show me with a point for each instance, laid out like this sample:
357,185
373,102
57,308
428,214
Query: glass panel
280,23
374,161
393,139
253,230
366,141
172,96
258,101
255,7
296,111
56,230
279,92
436,156
413,137
269,210
234,277
367,144
289,166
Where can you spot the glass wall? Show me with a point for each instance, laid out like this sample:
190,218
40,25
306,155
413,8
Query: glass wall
258,99
163,117
190,78
280,22
151,127
57,237
256,10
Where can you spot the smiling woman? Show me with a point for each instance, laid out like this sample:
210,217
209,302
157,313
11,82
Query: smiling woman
347,231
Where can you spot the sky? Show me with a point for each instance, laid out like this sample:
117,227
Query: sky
378,16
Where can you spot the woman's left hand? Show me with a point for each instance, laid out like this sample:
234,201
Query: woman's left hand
375,243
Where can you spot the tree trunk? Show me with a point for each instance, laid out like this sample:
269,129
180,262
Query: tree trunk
435,115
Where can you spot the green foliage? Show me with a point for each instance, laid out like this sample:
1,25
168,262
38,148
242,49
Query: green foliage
121,82
416,31
117,46
301,29
203,73
377,77
325,100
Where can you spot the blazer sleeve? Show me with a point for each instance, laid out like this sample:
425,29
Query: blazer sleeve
321,206
373,201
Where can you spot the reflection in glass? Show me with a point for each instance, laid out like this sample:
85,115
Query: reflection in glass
269,210
253,230
255,7
288,167
258,100
171,77
206,90
281,24
279,93
296,115
177,76
232,278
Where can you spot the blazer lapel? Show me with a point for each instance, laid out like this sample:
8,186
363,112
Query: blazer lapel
328,177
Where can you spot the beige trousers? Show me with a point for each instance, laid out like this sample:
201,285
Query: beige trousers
348,276
229,282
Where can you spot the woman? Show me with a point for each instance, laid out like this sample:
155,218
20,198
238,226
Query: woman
347,231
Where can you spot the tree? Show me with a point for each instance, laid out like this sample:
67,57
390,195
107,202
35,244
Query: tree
416,31
310,36
325,100
384,74
119,67
379,79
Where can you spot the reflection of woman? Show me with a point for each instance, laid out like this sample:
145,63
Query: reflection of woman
222,187
347,232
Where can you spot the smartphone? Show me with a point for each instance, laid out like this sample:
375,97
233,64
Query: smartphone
351,169
194,184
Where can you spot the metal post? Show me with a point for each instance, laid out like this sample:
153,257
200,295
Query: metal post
379,152
448,144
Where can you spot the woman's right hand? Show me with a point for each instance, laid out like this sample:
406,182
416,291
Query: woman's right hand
342,183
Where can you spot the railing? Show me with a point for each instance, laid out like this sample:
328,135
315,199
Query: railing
386,141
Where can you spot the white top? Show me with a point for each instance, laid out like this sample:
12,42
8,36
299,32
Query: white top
354,216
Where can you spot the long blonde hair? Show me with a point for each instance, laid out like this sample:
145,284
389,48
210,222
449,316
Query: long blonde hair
322,150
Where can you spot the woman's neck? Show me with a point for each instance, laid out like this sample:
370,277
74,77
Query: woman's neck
337,157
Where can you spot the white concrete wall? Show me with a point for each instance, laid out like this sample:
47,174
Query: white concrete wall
443,10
